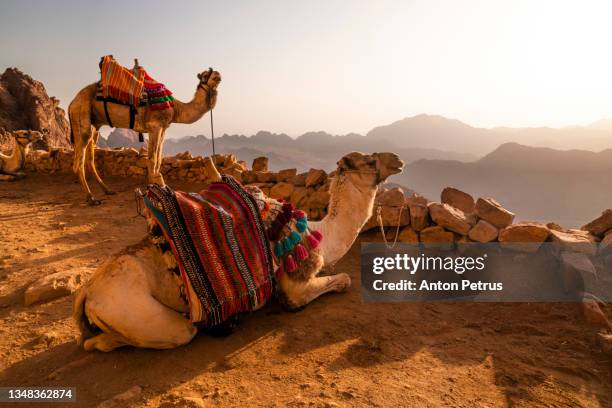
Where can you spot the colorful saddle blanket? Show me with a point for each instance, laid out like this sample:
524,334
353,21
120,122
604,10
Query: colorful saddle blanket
219,241
131,87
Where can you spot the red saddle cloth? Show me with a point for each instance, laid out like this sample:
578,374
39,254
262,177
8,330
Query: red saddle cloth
133,87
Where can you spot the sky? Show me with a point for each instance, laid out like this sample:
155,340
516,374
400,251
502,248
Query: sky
338,66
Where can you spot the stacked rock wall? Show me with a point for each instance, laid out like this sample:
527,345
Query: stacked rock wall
457,217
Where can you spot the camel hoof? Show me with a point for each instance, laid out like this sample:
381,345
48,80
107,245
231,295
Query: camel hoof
344,283
92,201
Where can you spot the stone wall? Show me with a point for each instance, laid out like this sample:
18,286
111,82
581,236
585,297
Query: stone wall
457,217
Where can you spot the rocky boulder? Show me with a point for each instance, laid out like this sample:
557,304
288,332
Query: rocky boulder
458,199
524,236
574,241
315,177
451,218
490,210
436,235
260,164
483,232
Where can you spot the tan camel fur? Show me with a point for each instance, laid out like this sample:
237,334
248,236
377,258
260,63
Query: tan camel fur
134,298
86,115
11,166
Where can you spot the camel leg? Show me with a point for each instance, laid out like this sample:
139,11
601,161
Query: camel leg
91,160
119,300
155,139
300,293
81,142
159,156
143,322
79,114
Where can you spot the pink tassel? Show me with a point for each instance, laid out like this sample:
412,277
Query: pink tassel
298,214
317,235
290,265
300,252
312,241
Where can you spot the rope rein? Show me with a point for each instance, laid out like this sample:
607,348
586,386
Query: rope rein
382,227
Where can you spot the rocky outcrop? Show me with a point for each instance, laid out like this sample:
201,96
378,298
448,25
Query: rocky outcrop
25,104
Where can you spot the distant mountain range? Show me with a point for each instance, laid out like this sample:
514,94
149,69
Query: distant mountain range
418,137
566,186
548,183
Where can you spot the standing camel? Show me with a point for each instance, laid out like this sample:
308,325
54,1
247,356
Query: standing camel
135,299
86,115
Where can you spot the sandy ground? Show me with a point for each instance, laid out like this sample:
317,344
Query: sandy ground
336,352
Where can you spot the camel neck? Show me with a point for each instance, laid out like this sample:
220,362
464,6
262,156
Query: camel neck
192,111
349,209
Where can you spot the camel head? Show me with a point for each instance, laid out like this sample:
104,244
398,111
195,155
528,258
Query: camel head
210,78
370,169
25,137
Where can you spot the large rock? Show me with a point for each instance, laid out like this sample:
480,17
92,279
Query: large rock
315,177
490,210
483,232
55,285
601,224
458,199
391,216
419,216
436,235
286,175
298,197
408,236
281,191
298,180
260,164
24,104
524,236
318,200
390,198
574,241
451,218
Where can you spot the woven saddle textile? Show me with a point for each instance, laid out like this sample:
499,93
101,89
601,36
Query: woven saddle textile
219,241
132,87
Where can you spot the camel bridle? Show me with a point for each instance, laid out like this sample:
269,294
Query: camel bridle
209,94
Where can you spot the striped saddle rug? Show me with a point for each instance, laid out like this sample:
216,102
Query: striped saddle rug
219,241
132,87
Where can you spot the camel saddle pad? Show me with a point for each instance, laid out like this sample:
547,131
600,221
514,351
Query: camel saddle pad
131,86
218,239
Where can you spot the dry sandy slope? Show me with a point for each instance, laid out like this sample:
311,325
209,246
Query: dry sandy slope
336,352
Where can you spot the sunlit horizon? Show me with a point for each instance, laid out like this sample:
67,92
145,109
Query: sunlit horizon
335,66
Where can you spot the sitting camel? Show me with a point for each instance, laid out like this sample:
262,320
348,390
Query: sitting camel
87,115
11,166
135,298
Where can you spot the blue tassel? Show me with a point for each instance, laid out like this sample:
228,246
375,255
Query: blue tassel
295,238
278,249
301,225
287,245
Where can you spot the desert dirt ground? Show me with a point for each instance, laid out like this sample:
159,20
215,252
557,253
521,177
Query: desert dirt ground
336,352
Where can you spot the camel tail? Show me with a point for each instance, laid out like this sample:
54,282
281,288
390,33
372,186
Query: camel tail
80,317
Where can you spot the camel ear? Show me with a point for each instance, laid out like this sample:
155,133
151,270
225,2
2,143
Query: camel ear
345,163
200,77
